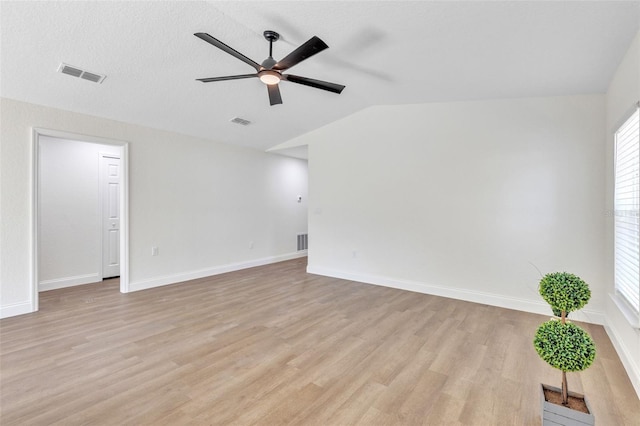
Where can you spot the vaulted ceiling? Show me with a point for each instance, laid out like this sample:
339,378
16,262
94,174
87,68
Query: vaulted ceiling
385,52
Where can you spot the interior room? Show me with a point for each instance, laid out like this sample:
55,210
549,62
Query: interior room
360,242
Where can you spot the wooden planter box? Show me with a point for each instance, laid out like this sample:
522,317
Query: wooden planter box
554,414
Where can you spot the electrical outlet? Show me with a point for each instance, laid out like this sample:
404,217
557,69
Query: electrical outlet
154,251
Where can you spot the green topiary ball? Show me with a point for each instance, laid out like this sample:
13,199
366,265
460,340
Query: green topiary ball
566,347
564,291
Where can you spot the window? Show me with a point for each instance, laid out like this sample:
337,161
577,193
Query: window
626,213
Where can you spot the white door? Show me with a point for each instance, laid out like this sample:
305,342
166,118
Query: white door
110,187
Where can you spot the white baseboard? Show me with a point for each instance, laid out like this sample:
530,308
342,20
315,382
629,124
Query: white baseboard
207,272
623,329
628,361
536,307
16,309
68,281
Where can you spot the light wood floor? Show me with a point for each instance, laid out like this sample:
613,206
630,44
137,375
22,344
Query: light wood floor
274,345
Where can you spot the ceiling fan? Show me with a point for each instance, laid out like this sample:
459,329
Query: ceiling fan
270,72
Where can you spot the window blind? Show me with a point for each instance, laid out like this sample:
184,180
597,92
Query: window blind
626,211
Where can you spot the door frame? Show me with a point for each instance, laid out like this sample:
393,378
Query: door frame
35,202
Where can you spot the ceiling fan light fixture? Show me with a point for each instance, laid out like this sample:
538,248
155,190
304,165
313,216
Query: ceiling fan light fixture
269,77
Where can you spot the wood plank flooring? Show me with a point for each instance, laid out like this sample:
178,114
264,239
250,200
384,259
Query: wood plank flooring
274,345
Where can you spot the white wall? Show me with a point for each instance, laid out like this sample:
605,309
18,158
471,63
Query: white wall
462,199
70,238
623,93
201,202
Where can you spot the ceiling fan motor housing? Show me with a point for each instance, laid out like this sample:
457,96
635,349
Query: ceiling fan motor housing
269,63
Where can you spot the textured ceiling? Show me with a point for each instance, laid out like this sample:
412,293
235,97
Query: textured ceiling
391,52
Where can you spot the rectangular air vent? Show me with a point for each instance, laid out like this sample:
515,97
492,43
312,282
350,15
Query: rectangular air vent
240,121
77,72
303,242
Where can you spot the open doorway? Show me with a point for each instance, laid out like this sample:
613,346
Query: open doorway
80,217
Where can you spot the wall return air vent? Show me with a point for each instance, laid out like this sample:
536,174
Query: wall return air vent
303,242
78,72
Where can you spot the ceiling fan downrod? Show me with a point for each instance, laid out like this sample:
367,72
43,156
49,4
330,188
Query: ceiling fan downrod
271,36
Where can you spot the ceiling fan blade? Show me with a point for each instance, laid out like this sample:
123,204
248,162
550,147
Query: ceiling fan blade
318,84
308,49
274,94
231,51
228,77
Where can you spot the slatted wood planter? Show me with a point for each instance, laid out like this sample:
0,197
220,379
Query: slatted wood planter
554,414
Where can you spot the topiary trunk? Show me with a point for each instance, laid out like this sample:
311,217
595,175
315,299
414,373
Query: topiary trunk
558,313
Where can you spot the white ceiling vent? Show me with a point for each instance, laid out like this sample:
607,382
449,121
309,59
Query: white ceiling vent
240,121
77,72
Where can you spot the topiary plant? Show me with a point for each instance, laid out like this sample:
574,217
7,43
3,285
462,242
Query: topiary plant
561,344
564,292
